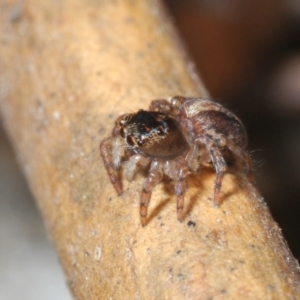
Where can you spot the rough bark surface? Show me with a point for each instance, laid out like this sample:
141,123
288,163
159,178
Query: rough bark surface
68,69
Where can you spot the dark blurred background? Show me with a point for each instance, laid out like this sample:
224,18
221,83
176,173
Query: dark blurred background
248,54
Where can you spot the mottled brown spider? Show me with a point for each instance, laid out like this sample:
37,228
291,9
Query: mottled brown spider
175,138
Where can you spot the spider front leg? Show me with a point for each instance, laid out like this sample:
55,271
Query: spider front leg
155,176
110,150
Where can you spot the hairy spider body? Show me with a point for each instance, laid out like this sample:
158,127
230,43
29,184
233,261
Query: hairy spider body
175,138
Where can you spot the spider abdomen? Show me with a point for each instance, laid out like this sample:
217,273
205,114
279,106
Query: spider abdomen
204,117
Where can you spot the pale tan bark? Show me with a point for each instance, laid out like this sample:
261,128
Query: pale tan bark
68,69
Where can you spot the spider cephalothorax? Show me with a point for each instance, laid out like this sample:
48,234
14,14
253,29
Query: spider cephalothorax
175,137
153,134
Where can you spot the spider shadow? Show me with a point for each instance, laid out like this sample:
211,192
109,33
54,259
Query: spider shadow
194,181
157,209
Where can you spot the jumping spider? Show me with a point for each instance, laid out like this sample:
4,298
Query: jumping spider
175,138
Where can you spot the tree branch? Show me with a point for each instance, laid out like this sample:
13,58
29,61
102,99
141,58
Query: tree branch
68,69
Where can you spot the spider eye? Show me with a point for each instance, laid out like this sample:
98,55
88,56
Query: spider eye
130,140
122,132
147,129
125,120
160,130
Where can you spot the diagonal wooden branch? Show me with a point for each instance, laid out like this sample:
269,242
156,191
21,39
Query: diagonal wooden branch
68,69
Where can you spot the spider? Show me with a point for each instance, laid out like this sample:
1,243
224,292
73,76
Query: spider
175,138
